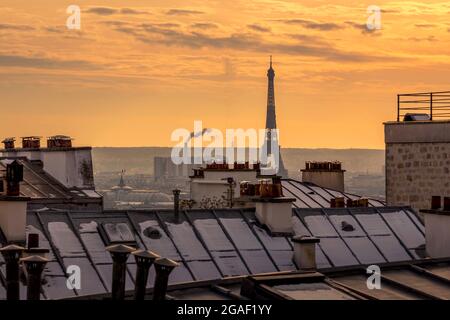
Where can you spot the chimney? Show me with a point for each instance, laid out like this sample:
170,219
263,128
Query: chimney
324,174
9,143
12,254
14,175
338,202
119,254
437,237
33,241
71,166
275,214
446,203
176,205
436,202
34,266
144,260
33,142
32,247
305,252
59,141
13,207
163,268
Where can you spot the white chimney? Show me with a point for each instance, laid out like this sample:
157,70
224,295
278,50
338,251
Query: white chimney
305,252
13,218
437,235
72,166
324,174
276,214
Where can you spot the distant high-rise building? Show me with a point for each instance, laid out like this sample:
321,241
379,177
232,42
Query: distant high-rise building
271,122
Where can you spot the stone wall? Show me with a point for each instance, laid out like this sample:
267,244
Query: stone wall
417,171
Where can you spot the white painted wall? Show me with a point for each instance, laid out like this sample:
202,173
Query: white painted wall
13,215
70,167
326,179
30,154
212,184
278,216
305,255
201,188
437,235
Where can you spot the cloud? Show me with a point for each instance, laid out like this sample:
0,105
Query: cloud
108,11
419,39
363,28
310,24
183,12
132,11
55,29
102,11
18,27
153,34
167,25
259,28
204,26
425,25
8,60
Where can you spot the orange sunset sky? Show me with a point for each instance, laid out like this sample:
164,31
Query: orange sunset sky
138,69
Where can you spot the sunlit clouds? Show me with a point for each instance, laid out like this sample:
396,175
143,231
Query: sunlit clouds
137,71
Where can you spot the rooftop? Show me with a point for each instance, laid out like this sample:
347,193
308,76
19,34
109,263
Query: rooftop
43,189
215,244
423,106
414,280
309,195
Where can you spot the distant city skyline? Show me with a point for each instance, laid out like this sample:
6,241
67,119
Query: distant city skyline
137,70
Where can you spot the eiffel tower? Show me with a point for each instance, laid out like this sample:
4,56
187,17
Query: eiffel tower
271,122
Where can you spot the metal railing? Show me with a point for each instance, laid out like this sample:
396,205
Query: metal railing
434,104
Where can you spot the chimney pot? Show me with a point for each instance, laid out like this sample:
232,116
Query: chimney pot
34,266
31,142
12,254
9,143
144,260
163,268
176,205
59,141
119,254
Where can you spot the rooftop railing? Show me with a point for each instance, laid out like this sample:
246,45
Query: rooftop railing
434,104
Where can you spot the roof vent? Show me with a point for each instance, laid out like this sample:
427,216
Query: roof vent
345,226
416,117
152,233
